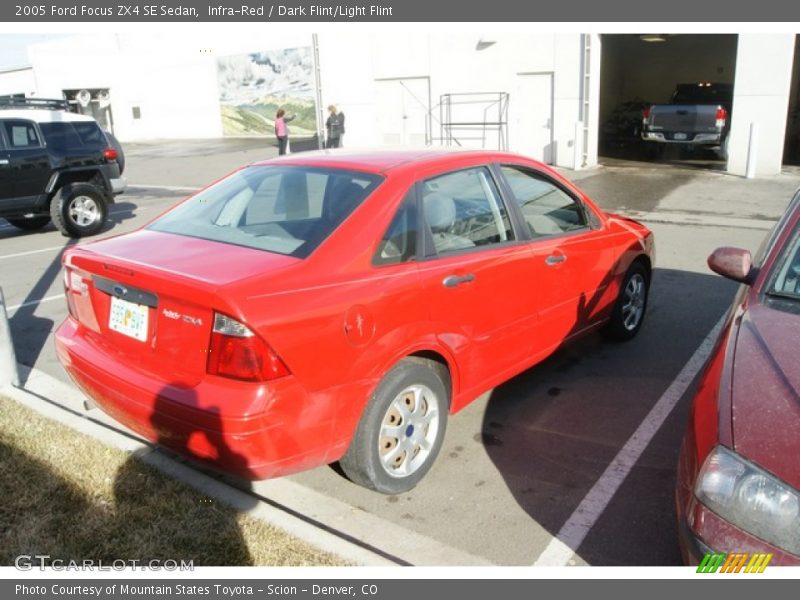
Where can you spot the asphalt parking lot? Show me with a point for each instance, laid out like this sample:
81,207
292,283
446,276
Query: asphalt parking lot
568,449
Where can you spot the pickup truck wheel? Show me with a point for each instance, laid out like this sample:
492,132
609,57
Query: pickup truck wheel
79,209
29,224
401,430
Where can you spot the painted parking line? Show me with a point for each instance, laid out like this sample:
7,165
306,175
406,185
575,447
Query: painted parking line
11,309
171,188
569,538
29,252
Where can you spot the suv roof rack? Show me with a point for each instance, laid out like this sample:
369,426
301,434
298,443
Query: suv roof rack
46,103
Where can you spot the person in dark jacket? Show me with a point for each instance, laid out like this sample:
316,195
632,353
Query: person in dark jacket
281,130
335,127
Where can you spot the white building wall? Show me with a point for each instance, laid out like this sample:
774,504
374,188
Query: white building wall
18,81
352,68
761,96
172,78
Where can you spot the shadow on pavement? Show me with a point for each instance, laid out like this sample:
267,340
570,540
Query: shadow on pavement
28,331
551,434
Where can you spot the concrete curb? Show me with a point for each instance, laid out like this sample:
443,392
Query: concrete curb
324,522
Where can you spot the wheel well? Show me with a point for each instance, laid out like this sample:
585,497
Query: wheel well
645,262
439,363
92,177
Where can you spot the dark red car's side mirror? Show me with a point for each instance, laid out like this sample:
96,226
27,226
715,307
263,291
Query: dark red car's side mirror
733,263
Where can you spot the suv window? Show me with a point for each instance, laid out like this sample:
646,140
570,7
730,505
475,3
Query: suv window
546,208
464,210
288,210
21,134
67,138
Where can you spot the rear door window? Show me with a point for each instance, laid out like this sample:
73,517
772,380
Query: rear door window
463,210
288,210
69,138
399,243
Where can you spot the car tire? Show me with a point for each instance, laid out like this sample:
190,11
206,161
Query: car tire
29,224
629,310
79,209
402,428
118,147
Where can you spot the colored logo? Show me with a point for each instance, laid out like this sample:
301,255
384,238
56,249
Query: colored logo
734,563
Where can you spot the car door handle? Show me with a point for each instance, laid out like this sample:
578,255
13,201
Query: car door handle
456,280
555,259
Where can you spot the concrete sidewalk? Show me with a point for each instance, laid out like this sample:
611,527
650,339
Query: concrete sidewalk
352,534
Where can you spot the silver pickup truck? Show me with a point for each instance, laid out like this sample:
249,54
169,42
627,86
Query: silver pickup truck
697,116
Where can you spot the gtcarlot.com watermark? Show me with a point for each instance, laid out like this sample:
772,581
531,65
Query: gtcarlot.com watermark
28,562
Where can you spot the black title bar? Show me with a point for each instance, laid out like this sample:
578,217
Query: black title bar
325,11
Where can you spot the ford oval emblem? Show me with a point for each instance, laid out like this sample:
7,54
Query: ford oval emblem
119,290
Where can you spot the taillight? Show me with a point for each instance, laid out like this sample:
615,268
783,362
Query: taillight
238,353
646,113
110,154
73,283
722,116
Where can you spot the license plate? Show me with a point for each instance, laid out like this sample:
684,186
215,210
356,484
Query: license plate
679,136
128,318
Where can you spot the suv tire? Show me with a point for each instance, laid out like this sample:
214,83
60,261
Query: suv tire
29,224
79,209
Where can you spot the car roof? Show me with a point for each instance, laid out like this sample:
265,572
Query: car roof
382,160
41,115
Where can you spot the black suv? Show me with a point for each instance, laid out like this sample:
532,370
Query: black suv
55,164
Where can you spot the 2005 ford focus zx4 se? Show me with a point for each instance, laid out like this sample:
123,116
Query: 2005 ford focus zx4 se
339,306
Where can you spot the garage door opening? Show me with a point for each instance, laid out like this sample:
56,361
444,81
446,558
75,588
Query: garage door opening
638,70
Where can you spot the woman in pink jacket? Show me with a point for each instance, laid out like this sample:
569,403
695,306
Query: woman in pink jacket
281,130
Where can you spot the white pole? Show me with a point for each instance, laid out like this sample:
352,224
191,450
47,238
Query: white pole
577,163
752,151
8,361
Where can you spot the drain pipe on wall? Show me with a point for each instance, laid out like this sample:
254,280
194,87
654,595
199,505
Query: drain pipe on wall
752,152
8,360
577,160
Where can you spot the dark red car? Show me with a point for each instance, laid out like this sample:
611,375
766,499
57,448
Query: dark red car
339,306
738,484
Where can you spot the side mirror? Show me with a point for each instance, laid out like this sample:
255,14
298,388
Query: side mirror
733,263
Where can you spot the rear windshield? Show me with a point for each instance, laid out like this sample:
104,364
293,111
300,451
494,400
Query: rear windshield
67,138
288,210
703,93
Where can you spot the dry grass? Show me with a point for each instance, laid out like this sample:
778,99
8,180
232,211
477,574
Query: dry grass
69,496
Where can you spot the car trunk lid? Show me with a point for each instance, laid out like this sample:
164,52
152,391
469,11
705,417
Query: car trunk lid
149,298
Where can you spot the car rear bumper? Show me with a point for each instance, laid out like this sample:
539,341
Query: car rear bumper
698,139
255,431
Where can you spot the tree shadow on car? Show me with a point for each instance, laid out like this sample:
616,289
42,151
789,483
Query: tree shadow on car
552,431
223,539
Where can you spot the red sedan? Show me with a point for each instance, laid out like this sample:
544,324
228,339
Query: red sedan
339,306
738,478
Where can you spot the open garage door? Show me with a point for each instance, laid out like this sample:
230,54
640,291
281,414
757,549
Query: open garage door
638,70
